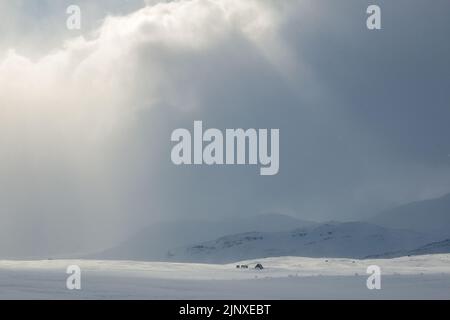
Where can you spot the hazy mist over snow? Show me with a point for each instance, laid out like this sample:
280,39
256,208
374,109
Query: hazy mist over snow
86,116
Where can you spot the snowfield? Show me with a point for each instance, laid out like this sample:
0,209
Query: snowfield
416,277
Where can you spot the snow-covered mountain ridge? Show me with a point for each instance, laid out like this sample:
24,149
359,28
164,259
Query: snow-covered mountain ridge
344,240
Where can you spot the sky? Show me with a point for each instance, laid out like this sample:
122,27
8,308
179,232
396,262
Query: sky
86,115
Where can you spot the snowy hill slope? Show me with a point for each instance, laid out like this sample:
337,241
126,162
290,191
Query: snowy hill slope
428,216
439,247
433,248
154,242
349,240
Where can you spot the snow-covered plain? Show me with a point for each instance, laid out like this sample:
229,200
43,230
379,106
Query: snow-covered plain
416,277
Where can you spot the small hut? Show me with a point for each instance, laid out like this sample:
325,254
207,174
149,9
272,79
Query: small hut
259,266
